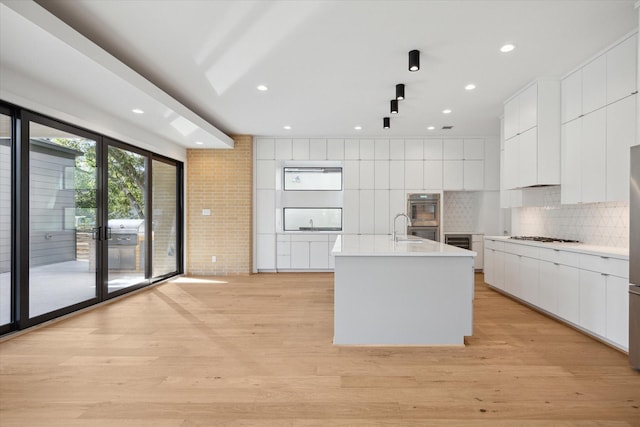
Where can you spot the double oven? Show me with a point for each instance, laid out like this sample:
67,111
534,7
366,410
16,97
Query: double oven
424,211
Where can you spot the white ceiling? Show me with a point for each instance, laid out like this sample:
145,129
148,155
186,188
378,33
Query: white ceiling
332,65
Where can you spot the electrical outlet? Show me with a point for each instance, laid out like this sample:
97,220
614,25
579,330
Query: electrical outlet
214,258
206,212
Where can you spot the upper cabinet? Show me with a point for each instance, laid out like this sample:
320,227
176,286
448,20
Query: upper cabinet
606,79
532,135
599,116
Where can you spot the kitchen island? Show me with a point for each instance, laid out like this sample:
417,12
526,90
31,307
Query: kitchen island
410,292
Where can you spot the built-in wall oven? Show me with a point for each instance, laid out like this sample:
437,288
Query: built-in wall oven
423,210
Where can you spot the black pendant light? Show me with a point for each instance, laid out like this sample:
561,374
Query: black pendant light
399,91
386,122
394,106
414,60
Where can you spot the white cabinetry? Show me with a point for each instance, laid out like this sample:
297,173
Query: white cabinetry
304,251
599,126
532,136
477,245
586,290
463,165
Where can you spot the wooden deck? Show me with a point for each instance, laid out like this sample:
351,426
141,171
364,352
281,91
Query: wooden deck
257,351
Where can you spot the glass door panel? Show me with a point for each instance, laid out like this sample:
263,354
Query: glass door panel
126,200
164,201
5,220
62,217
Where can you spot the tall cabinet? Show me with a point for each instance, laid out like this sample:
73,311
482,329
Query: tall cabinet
599,125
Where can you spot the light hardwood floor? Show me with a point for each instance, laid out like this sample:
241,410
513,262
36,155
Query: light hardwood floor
257,351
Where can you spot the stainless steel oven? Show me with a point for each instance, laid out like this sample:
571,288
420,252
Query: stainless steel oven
424,209
431,233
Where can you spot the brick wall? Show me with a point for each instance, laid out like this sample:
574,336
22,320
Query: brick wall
220,180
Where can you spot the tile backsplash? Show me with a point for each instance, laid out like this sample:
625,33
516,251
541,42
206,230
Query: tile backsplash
459,211
601,224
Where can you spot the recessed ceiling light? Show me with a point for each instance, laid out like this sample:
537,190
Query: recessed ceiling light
470,86
431,128
446,111
199,142
507,48
357,127
137,111
286,127
262,88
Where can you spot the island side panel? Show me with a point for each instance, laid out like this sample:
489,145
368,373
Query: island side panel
396,300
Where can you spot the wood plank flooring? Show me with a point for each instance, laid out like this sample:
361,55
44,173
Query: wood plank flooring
257,351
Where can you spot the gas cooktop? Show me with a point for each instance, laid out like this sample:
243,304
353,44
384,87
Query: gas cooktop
544,239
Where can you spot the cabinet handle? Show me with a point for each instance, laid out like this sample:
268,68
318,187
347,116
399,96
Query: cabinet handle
555,263
557,250
604,274
634,92
604,257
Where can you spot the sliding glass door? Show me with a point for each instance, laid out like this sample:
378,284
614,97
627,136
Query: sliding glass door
165,218
62,219
127,213
6,259
83,218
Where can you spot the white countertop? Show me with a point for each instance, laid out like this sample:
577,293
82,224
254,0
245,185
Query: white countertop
622,253
383,245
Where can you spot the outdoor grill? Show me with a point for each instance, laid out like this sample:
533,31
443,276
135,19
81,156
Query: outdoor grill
125,242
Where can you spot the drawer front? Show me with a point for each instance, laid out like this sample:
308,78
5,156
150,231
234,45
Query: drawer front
572,259
602,264
489,244
283,238
284,248
550,255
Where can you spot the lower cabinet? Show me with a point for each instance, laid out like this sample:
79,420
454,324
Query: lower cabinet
305,251
583,289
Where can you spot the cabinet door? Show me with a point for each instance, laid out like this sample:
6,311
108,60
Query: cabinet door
396,149
265,174
498,269
367,207
265,149
528,105
473,175
453,175
433,149
491,165
594,85
299,255
266,251
319,255
367,174
594,151
381,149
571,167
396,174
510,163
266,219
432,170
618,310
548,282
489,273
571,96
568,290
473,149
351,149
283,149
512,274
528,158
529,272
413,149
621,69
351,212
318,149
351,175
511,113
453,149
381,212
335,149
381,179
621,134
300,149
413,174
367,149
593,302
397,203
477,246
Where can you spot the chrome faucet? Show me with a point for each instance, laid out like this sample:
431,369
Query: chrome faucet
395,235
311,222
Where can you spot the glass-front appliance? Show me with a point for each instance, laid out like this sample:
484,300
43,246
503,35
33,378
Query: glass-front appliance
424,209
